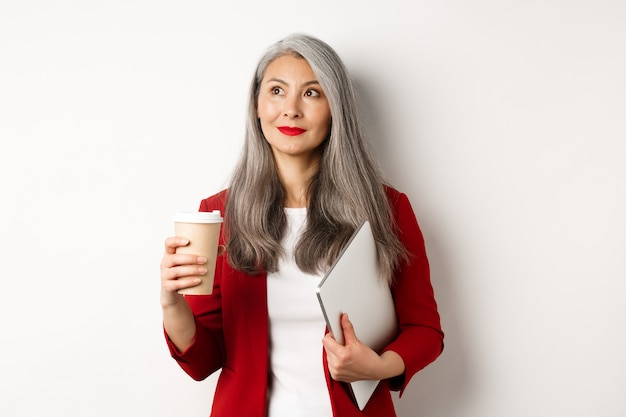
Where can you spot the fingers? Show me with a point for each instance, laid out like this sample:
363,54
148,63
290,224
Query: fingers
330,344
182,271
339,358
349,336
171,258
178,259
179,271
339,355
348,362
171,243
174,285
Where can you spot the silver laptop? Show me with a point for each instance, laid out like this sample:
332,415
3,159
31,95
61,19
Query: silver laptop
353,285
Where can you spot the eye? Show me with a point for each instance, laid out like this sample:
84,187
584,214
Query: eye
312,93
276,91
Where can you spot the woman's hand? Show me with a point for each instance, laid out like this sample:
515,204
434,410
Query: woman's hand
355,361
178,271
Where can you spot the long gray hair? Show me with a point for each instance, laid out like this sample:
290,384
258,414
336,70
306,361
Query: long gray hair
346,190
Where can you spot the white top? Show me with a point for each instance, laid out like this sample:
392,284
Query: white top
297,383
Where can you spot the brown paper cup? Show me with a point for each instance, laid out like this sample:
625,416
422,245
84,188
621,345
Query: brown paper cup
203,230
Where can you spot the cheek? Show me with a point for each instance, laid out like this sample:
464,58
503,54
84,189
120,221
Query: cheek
260,110
324,119
264,119
265,109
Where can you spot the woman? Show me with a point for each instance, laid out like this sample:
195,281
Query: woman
303,184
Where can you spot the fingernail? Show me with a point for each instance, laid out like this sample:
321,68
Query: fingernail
201,260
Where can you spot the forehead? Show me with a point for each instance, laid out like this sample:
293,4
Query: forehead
289,67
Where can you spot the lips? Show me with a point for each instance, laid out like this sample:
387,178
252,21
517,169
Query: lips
291,131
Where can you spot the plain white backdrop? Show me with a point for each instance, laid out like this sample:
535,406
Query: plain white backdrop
504,122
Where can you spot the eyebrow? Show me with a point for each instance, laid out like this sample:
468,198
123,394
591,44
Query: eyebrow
278,80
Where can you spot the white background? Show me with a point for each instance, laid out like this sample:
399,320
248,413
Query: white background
504,122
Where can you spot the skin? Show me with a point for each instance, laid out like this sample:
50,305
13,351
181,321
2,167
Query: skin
289,96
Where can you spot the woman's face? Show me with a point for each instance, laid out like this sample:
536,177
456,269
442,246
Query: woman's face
293,109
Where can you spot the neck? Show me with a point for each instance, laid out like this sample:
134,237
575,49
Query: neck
295,175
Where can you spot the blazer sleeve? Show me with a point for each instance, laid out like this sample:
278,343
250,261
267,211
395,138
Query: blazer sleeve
420,339
207,353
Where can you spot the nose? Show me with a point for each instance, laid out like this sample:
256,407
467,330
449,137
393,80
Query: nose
293,108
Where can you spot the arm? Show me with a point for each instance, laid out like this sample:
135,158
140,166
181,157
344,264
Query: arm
192,324
355,361
178,320
420,338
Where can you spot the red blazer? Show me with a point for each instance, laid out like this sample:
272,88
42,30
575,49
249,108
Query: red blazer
232,330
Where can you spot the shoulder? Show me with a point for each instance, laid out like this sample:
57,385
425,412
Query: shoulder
397,199
392,194
214,202
403,213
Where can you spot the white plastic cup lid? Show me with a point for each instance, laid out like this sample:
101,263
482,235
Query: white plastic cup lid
214,216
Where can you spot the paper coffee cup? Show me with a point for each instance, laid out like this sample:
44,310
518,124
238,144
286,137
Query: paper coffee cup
203,231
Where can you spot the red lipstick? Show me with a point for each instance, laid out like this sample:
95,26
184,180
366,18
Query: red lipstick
291,131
